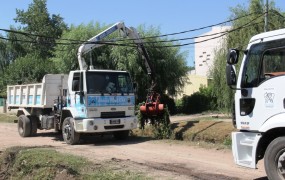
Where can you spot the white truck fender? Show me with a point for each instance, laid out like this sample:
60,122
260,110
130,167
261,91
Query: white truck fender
72,111
275,121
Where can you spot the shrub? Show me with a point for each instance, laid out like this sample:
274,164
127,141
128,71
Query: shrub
198,102
165,99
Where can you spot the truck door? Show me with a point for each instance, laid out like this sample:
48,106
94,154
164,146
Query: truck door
76,95
262,95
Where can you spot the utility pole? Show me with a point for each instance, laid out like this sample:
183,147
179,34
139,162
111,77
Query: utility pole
266,17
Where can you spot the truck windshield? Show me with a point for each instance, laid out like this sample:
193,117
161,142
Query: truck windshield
108,82
264,60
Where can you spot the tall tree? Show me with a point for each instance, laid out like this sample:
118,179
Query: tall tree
37,21
239,39
25,57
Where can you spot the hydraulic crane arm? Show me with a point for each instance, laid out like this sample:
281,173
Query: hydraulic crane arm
91,43
125,32
133,34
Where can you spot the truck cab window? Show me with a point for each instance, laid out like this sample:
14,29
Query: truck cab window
75,82
273,63
251,72
102,82
264,60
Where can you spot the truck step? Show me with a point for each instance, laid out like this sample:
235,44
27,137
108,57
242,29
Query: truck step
247,142
245,162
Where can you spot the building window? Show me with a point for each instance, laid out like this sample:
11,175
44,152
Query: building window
200,64
208,59
201,56
208,55
204,52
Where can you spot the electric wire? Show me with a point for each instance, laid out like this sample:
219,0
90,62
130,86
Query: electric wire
75,42
201,28
278,13
111,41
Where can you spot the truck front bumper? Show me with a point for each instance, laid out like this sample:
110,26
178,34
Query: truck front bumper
99,125
244,145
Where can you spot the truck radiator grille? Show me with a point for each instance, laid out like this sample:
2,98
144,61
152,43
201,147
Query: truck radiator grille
115,114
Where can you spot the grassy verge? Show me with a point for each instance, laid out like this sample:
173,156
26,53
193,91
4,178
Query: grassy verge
46,163
7,118
199,131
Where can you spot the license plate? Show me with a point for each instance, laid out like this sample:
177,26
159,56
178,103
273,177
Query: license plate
115,121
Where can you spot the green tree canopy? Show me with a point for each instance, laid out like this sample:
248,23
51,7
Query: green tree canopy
37,20
24,58
239,39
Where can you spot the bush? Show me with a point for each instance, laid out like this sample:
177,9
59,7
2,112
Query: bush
198,102
165,99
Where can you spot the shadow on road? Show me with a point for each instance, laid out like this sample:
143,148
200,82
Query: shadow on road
97,140
108,140
262,178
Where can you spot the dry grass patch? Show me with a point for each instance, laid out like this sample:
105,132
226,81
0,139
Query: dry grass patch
208,130
7,118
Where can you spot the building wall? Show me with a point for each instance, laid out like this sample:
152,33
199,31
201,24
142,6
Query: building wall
193,85
205,51
204,59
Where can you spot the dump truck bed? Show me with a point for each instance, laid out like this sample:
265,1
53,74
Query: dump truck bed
42,95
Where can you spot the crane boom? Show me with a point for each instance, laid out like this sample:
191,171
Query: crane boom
91,43
125,32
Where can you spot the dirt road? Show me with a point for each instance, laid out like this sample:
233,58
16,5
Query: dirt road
159,159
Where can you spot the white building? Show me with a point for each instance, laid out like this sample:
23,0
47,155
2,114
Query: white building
205,49
204,59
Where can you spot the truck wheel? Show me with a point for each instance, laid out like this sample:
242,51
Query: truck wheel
68,132
24,126
121,135
34,127
274,159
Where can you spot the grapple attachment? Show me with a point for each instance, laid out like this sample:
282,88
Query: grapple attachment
152,107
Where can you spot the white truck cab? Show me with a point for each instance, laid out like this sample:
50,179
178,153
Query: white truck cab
259,104
101,100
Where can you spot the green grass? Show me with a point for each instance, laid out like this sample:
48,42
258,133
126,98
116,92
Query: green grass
7,118
46,163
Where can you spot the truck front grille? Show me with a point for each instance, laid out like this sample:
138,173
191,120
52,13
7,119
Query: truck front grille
115,114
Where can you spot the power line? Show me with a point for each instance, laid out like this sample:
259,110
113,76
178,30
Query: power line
194,37
149,37
201,28
277,13
75,42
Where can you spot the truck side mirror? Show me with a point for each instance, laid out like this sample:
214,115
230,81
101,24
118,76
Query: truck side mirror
233,56
231,75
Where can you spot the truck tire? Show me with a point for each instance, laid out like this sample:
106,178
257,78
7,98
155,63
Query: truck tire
34,127
274,159
24,126
121,135
68,132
